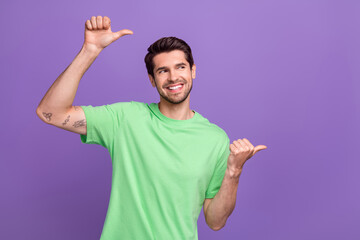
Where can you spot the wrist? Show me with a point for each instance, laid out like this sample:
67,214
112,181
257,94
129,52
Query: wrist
233,172
91,49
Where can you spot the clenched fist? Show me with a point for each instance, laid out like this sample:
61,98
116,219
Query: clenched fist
240,151
98,32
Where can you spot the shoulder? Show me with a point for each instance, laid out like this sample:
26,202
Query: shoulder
214,129
215,135
219,132
128,106
138,105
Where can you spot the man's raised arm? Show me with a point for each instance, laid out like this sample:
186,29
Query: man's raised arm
56,106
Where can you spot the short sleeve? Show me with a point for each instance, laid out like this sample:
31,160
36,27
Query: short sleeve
219,172
102,123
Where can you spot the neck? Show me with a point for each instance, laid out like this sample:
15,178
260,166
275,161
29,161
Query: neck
179,111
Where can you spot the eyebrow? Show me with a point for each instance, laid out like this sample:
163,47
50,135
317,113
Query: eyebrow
161,68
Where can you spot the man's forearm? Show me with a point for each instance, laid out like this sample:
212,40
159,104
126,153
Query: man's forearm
61,94
224,201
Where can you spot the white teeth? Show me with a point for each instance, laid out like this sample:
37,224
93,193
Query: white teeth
175,87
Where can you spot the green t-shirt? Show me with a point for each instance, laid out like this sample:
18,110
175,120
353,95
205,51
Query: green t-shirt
162,169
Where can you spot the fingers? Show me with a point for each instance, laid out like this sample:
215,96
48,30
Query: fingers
233,149
248,143
106,22
245,145
88,25
93,23
98,23
240,144
237,144
244,150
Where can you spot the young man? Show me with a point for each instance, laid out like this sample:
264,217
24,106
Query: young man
168,160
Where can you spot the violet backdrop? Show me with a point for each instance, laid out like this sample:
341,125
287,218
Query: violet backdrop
280,73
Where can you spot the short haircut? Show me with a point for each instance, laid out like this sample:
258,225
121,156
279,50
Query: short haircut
167,44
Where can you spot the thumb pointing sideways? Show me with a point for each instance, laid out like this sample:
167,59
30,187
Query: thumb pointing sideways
121,33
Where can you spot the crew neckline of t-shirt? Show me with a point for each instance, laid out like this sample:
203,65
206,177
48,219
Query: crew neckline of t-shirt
155,108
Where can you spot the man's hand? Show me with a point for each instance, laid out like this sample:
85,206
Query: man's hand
240,151
98,34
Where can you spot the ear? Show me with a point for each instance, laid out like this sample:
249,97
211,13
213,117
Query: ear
193,71
152,81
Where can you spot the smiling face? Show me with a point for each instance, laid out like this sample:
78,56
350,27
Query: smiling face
173,77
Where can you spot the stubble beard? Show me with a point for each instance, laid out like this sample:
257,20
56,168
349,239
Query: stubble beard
172,101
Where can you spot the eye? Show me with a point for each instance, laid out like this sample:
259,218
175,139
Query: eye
162,71
182,66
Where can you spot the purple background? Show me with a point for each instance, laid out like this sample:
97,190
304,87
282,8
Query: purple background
280,73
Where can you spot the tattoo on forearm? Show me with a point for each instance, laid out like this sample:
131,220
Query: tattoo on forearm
66,120
80,123
47,116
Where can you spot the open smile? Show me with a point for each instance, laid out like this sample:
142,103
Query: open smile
175,88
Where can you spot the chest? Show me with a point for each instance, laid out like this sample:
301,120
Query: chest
186,154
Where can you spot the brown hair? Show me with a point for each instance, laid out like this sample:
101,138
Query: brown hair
167,44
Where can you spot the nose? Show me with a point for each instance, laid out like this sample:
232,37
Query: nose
173,75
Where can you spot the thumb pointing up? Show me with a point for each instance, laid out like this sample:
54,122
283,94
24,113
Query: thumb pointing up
98,32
